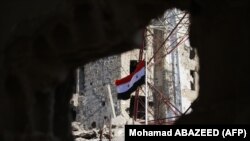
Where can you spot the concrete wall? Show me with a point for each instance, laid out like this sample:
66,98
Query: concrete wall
188,64
94,105
188,76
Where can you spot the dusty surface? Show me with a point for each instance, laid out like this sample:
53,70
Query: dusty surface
116,131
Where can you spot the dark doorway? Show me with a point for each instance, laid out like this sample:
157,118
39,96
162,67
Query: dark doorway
133,64
141,109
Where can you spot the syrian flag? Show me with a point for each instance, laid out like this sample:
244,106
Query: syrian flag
129,84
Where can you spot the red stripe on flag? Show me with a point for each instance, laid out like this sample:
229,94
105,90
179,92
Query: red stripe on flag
126,79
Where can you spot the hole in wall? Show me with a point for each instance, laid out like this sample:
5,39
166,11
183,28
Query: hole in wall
93,124
103,103
191,53
192,83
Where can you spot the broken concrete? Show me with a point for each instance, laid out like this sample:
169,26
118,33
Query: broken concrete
117,131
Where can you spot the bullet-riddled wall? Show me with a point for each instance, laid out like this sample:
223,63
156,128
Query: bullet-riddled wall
94,107
94,103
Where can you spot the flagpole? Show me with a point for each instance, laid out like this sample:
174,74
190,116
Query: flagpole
146,90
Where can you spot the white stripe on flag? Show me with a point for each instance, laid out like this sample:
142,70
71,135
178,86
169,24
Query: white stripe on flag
126,86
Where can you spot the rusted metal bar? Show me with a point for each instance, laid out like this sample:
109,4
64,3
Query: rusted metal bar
165,100
162,45
137,91
184,38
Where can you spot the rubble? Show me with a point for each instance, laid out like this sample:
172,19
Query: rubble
104,134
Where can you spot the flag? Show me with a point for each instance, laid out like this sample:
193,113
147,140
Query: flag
129,84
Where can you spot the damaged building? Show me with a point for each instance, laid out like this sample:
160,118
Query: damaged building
172,70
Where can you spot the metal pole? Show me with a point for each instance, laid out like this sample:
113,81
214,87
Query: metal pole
146,90
162,45
165,100
137,90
